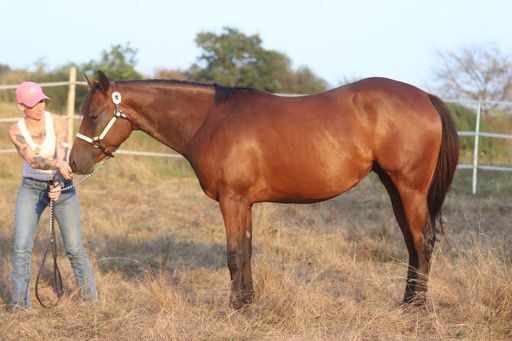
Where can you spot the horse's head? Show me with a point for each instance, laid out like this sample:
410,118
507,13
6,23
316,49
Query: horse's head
104,126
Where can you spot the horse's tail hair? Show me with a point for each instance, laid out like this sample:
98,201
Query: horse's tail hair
446,162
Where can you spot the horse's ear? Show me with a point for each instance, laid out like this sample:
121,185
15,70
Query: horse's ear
89,82
103,81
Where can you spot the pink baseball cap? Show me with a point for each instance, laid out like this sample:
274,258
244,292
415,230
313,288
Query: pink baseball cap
29,94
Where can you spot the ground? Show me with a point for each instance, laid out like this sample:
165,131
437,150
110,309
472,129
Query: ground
332,270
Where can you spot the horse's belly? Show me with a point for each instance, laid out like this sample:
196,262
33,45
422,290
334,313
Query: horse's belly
314,181
312,166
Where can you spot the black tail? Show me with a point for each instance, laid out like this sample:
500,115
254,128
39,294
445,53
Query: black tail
446,163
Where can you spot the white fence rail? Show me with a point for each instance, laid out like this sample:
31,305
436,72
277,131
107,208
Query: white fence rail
475,166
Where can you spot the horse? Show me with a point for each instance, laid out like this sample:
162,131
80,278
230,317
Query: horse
248,146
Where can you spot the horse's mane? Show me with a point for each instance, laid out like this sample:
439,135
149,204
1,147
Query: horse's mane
223,93
166,82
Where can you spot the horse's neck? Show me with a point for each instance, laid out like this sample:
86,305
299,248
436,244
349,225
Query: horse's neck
171,114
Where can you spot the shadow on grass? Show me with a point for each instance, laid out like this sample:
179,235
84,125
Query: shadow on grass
489,183
132,258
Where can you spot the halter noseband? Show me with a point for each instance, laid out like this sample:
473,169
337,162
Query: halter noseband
96,140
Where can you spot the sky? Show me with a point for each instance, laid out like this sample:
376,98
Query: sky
336,39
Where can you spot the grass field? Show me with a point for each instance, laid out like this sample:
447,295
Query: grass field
322,271
333,270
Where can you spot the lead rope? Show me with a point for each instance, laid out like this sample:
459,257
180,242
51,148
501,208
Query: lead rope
52,243
57,278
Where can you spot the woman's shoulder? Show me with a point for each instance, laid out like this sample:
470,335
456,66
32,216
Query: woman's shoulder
14,130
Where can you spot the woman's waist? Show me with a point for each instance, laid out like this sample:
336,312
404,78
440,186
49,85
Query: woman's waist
42,185
38,174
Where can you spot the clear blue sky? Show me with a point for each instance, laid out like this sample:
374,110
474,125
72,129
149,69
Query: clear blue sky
336,39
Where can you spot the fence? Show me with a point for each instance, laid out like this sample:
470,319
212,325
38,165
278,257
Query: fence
475,166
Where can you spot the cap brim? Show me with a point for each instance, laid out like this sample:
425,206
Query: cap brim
34,100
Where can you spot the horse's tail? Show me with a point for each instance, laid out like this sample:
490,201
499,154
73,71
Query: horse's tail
446,162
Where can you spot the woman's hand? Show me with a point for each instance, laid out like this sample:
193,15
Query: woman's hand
54,196
64,169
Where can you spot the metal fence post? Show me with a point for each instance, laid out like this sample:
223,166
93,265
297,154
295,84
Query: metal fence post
71,104
475,147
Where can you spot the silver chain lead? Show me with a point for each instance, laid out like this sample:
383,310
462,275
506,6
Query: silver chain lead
82,180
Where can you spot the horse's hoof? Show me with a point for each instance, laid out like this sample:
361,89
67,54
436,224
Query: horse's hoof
240,300
416,300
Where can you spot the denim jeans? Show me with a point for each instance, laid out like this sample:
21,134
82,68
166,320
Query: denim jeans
31,201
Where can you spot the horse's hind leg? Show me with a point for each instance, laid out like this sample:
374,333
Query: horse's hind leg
238,223
411,211
422,238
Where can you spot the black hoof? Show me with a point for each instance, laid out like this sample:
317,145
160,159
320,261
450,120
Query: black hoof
416,299
239,300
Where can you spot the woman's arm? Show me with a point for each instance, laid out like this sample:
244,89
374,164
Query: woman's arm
27,154
61,133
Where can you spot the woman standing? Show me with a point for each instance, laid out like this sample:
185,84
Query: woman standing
40,139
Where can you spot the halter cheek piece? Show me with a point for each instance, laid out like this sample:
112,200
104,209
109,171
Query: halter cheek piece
96,140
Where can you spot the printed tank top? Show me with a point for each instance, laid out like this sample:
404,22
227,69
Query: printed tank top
45,149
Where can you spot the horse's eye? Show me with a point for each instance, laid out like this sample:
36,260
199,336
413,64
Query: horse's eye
94,116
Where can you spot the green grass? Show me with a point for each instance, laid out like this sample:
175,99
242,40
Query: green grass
489,183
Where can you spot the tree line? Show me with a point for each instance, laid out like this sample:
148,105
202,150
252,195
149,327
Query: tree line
233,58
230,58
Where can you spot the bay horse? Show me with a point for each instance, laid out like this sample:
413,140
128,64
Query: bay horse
248,146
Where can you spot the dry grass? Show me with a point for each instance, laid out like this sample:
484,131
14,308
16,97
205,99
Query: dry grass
333,270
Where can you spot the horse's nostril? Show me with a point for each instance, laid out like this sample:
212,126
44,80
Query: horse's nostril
72,163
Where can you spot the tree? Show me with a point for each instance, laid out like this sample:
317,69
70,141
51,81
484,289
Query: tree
163,73
306,81
235,59
118,63
477,73
4,68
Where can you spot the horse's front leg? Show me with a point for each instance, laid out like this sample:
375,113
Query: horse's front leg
237,220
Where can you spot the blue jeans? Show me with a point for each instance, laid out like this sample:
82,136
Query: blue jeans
31,201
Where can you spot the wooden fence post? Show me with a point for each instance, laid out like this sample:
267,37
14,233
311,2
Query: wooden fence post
71,104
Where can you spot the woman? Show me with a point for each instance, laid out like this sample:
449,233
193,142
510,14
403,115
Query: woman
40,139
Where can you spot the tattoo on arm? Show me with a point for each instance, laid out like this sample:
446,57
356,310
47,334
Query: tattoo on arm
41,163
20,139
21,143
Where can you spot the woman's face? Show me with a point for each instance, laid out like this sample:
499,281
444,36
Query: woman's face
36,112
